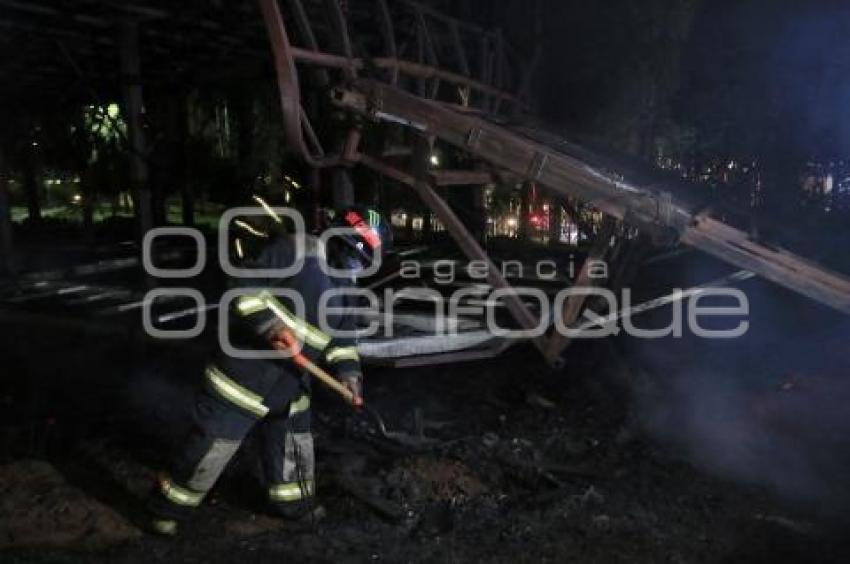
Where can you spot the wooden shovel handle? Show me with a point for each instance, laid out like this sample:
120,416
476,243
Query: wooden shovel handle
290,344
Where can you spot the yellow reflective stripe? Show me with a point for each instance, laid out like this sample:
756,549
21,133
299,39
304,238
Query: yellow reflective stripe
230,390
292,491
268,209
342,353
178,495
301,328
250,229
300,405
249,304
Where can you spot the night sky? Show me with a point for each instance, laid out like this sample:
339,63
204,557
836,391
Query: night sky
751,76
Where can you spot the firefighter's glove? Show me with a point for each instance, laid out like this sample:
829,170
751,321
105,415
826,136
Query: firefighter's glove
354,382
283,340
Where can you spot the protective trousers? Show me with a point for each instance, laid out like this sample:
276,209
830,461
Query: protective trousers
237,395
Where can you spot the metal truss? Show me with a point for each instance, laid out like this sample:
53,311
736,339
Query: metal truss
442,80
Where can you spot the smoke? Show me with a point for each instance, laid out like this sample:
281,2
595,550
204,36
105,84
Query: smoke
771,408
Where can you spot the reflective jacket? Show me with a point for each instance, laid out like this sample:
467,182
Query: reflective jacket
267,305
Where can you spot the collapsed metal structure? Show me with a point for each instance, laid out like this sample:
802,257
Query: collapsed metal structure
374,84
405,72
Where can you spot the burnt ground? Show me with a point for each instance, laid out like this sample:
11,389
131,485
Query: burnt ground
530,466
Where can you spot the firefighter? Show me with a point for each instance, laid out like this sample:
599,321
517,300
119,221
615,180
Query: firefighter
272,393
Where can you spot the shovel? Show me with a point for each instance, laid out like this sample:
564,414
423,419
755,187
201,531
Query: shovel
290,345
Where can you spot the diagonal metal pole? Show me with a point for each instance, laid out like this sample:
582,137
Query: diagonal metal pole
467,243
567,175
573,305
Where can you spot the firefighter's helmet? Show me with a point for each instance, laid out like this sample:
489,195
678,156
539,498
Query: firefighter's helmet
250,232
366,233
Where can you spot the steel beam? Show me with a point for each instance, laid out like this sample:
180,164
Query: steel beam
288,85
460,51
777,265
456,229
647,208
413,69
309,37
340,35
388,33
424,345
460,177
450,357
573,305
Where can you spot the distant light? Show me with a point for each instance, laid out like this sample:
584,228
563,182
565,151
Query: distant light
828,183
112,110
35,143
435,159
512,222
77,198
286,196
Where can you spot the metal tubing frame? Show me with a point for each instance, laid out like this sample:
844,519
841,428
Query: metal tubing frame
414,69
467,243
573,305
569,176
290,89
508,151
299,134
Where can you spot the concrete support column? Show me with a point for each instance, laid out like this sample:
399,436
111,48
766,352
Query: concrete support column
128,39
6,259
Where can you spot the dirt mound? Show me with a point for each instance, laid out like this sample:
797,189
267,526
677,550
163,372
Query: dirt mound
39,508
444,479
